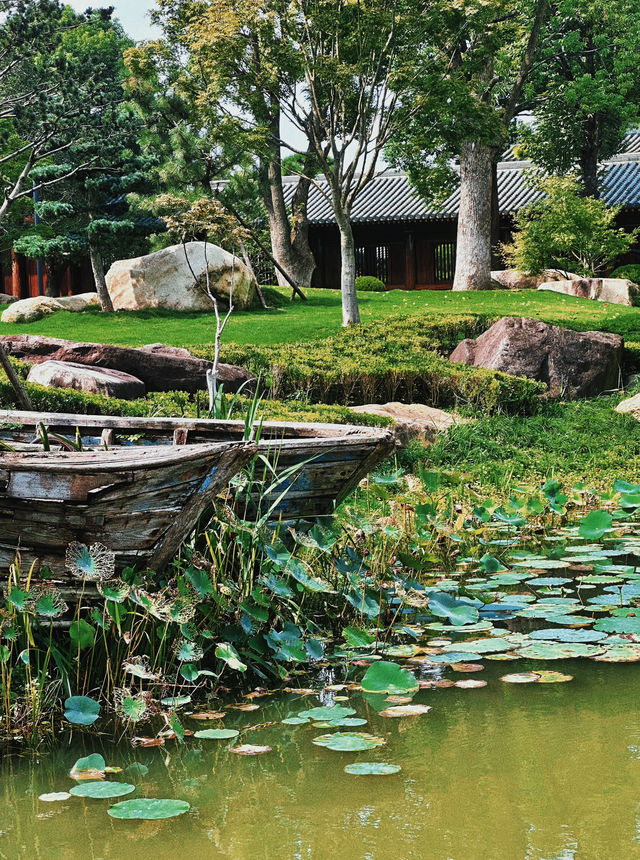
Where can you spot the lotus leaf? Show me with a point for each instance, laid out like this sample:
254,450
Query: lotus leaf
217,734
148,809
55,796
482,646
405,711
228,653
455,657
250,749
618,625
371,768
563,634
384,677
349,741
547,677
81,710
91,762
595,524
619,654
521,678
470,684
459,612
559,650
100,790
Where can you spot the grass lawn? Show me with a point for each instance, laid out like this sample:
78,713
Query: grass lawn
294,322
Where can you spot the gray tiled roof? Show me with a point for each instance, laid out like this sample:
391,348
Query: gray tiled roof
390,197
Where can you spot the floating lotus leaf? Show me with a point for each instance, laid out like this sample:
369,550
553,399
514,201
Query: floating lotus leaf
347,722
336,712
81,710
371,768
618,625
455,657
208,715
559,650
349,741
470,684
521,678
543,563
148,809
563,634
295,721
479,627
250,749
384,677
405,711
399,651
89,763
546,611
508,655
482,646
548,581
467,667
217,734
101,790
55,796
619,654
547,677
136,769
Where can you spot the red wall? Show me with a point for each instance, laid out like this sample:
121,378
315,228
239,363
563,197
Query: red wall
20,278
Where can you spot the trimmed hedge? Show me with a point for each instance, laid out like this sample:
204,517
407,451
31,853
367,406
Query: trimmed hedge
631,271
171,404
370,284
399,358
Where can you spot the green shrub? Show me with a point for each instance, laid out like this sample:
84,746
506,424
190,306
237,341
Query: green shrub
370,284
169,404
400,358
630,271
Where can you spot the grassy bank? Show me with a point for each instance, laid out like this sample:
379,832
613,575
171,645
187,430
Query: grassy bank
292,322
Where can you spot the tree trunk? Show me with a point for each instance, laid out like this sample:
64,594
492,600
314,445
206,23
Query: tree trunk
350,311
473,252
54,276
97,265
589,156
496,258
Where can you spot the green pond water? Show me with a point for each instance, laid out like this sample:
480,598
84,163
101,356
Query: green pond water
506,771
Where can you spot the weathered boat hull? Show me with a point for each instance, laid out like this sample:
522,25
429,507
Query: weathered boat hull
139,503
317,464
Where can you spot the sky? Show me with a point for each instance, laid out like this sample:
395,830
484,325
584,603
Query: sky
131,13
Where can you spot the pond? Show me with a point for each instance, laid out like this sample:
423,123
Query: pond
536,771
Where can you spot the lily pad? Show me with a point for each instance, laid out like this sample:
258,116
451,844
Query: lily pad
619,654
349,741
470,684
371,768
562,634
101,790
618,625
455,657
336,712
250,749
90,763
547,677
217,734
521,678
384,677
405,711
148,809
55,796
176,701
559,650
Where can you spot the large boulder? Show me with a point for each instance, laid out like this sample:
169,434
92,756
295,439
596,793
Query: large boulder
572,363
165,279
30,310
91,380
617,291
512,279
159,370
412,420
6,299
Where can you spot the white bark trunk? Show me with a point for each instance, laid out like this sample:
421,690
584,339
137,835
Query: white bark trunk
473,252
350,311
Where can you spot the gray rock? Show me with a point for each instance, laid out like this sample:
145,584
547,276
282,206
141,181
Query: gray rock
412,420
616,291
573,364
6,299
91,380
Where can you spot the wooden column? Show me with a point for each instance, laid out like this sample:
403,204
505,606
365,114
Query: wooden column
410,262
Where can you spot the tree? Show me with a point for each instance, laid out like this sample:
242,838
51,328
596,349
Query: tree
585,88
226,64
85,211
567,231
50,97
461,88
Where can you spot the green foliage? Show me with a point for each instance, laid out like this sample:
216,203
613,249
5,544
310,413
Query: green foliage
631,271
566,231
397,359
370,284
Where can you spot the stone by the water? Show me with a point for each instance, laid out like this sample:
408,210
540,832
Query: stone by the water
412,420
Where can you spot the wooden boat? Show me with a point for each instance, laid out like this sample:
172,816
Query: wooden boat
316,464
141,503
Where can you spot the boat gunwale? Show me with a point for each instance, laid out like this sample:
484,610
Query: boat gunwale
318,432
116,459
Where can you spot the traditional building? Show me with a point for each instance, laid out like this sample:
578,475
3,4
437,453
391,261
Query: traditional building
411,245
24,278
